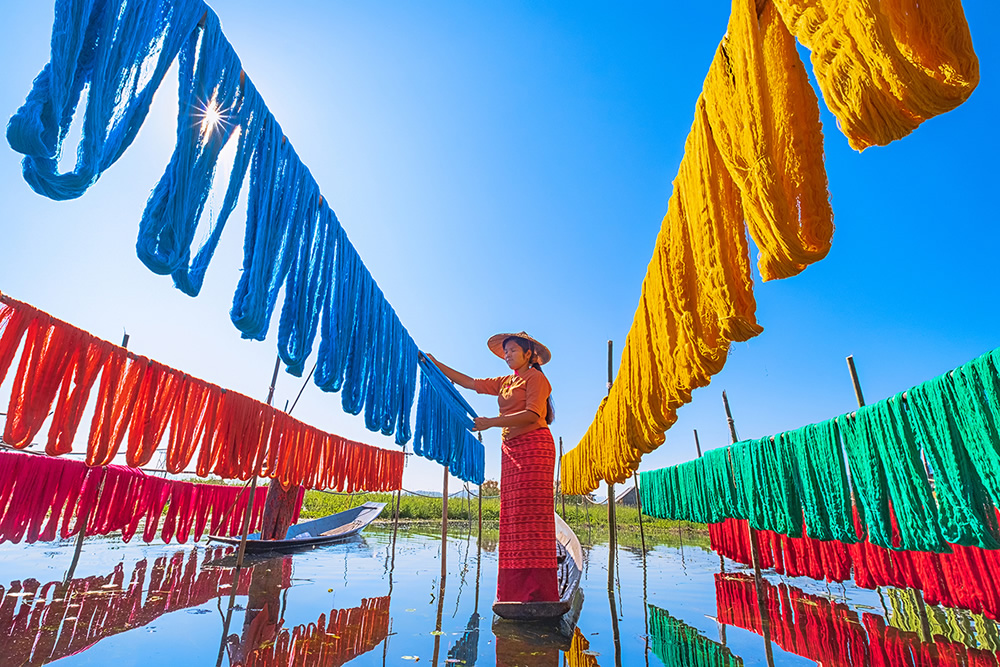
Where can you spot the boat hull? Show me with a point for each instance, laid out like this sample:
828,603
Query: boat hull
569,573
331,529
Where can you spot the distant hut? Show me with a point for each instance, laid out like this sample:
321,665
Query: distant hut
627,497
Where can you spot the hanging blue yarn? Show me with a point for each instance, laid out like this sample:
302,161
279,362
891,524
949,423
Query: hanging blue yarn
215,103
309,279
119,52
443,424
364,351
338,315
282,196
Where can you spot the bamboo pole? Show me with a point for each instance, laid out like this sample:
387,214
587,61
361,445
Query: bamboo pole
562,496
612,519
480,494
925,628
638,505
754,555
253,480
444,527
613,540
245,529
83,528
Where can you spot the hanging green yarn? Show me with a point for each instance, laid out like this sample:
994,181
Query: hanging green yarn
774,494
820,476
676,643
677,492
977,394
798,481
721,493
887,471
741,469
966,515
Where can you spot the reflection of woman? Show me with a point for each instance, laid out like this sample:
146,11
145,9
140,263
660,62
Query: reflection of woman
527,524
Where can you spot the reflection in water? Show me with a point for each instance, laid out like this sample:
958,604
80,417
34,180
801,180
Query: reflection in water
40,624
955,625
832,633
676,643
349,633
579,653
262,620
466,650
526,650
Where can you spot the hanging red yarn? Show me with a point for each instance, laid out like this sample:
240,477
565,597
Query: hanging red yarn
86,366
232,435
38,494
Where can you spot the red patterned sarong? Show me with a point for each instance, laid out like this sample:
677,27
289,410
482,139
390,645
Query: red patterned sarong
527,519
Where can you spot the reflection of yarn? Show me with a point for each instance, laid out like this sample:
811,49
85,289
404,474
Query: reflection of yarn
831,633
223,432
963,578
57,621
38,493
676,643
350,633
579,654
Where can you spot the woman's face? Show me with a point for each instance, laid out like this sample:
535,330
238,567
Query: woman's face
515,355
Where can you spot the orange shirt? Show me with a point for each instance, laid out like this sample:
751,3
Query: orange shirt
528,390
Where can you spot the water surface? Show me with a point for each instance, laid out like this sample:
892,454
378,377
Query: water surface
371,603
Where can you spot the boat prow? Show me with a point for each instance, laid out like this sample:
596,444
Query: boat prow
329,529
570,556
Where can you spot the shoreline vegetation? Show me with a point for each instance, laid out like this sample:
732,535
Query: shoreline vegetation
587,519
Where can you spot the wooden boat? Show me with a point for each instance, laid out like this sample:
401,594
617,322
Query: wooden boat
325,530
570,557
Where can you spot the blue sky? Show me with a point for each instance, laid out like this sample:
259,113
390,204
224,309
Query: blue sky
505,166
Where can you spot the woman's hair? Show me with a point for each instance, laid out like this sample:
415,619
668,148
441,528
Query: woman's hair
529,347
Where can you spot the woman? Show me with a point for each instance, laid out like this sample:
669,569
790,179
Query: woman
527,464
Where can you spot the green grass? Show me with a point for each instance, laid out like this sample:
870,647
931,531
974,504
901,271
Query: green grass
589,521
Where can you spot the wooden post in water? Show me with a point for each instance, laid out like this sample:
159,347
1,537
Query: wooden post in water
722,559
480,494
83,528
613,543
754,555
697,446
925,628
612,518
638,506
245,530
444,527
562,496
253,480
395,514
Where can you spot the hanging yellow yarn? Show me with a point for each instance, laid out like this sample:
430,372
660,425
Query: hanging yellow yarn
886,66
697,296
765,119
754,160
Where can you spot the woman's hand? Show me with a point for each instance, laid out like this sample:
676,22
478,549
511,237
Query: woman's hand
483,423
461,379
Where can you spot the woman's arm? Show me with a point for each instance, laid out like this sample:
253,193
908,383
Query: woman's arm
522,418
461,379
